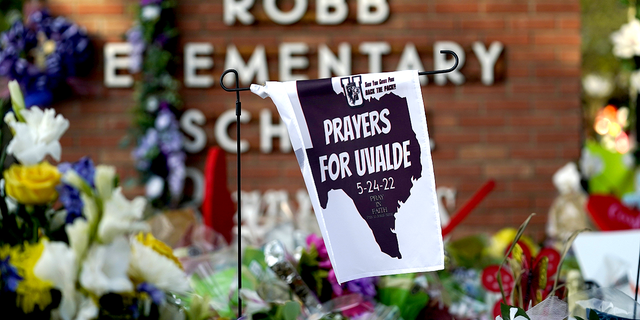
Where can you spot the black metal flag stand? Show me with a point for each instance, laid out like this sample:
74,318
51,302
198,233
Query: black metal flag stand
237,90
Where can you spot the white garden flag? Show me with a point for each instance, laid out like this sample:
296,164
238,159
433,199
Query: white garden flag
363,148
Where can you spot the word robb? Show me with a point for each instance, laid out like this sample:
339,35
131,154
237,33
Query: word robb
369,160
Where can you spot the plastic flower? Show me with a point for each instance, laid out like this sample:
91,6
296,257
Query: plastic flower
32,184
626,41
151,267
38,136
105,268
58,265
121,216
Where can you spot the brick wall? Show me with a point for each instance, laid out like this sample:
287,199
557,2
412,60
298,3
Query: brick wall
518,131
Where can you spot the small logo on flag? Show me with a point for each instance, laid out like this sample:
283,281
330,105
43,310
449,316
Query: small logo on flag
352,89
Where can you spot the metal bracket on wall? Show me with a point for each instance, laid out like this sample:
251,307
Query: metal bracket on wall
237,90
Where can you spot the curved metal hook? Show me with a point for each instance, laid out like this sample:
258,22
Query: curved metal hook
455,65
237,88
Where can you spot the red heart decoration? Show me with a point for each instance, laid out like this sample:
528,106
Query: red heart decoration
610,214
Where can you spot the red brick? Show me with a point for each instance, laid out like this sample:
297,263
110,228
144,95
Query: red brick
533,121
482,121
449,138
557,137
456,106
518,137
508,170
533,88
506,105
456,7
533,152
483,152
564,104
506,7
557,39
458,170
558,72
396,7
532,23
100,9
570,23
510,39
63,9
431,24
558,7
483,24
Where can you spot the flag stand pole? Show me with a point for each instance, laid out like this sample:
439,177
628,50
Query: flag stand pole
237,90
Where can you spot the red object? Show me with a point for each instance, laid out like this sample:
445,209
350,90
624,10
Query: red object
610,214
554,260
490,279
218,208
468,207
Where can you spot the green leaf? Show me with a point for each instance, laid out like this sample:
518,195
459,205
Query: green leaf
504,310
593,315
291,310
522,313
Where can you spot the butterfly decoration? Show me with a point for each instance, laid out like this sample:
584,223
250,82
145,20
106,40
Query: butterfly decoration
526,279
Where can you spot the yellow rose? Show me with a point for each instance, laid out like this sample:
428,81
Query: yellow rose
34,184
158,246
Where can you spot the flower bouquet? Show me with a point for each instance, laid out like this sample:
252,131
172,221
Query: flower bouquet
71,245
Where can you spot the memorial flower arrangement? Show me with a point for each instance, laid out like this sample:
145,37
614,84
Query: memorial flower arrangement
159,154
44,55
72,246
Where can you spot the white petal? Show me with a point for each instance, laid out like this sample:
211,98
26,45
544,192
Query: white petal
88,309
105,178
121,216
105,268
78,234
58,264
156,269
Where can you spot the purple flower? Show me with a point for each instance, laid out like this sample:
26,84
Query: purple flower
177,173
136,39
364,286
157,295
323,255
9,274
70,196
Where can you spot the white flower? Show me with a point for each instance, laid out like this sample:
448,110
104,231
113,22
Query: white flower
105,180
626,41
105,268
121,216
58,264
78,234
151,267
154,187
567,179
151,12
596,86
590,164
38,136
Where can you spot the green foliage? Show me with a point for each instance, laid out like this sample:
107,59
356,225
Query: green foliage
505,310
599,20
10,11
315,277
